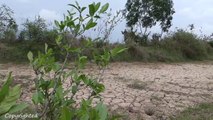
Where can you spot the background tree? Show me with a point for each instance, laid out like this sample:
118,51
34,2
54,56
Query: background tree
147,13
8,26
38,31
34,30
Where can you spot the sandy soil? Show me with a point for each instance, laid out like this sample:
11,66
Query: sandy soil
142,91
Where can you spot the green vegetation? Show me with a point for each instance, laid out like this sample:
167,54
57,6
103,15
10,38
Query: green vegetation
180,45
9,97
177,46
200,112
53,101
52,49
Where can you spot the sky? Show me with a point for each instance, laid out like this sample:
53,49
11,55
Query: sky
197,12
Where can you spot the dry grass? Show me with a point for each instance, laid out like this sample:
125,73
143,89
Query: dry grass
140,85
201,112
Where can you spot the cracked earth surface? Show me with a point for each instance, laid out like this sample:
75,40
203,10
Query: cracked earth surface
142,91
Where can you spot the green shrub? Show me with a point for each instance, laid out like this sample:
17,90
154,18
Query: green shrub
54,101
176,46
185,43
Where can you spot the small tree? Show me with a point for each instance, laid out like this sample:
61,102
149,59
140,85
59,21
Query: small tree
145,14
108,24
54,101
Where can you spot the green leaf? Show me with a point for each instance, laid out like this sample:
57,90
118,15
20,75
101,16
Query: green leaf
51,84
97,6
81,77
97,16
104,8
102,111
14,93
71,14
61,25
10,99
30,56
18,107
37,97
57,23
5,88
56,67
83,8
66,114
91,9
82,61
59,40
44,84
84,117
70,24
99,88
86,81
5,107
59,92
117,50
77,28
93,114
90,25
74,89
76,2
76,7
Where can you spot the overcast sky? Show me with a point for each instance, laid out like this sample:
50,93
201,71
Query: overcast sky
197,12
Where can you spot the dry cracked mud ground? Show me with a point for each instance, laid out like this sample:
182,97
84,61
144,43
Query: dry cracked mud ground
152,91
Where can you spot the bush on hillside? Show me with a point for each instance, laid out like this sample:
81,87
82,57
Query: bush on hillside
176,46
185,43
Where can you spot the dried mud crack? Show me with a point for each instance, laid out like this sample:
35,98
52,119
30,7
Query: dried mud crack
141,91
